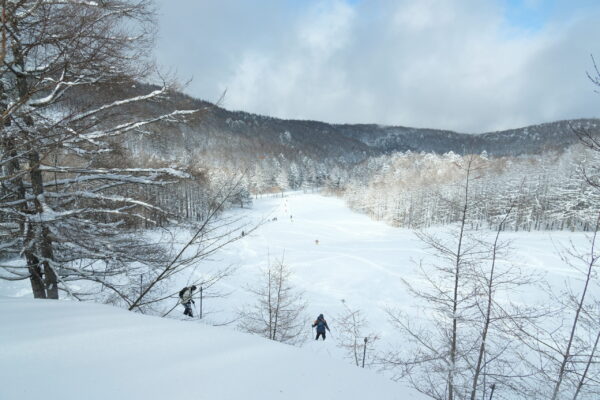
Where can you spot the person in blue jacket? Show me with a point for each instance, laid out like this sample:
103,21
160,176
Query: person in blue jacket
321,325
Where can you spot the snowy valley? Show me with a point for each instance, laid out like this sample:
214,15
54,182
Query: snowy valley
405,206
357,263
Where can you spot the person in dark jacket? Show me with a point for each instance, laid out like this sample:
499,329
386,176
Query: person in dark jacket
185,296
321,325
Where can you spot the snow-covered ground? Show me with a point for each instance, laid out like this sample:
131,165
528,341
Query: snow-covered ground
74,351
356,259
117,354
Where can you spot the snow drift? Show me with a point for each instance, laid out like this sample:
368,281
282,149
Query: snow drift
69,350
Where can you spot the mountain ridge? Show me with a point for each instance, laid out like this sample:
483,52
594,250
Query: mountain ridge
359,140
239,138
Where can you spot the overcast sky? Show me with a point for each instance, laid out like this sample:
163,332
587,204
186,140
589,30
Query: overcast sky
466,65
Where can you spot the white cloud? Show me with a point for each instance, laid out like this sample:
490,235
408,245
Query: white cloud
428,63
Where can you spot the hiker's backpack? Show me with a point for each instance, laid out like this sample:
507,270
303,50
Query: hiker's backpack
321,325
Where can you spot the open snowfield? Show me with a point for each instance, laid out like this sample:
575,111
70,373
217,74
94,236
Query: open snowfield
357,259
97,352
74,351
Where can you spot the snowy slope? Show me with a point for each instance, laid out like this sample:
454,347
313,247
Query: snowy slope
357,259
72,351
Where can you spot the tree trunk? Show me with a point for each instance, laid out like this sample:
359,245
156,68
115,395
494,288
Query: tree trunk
454,337
42,234
488,313
35,276
587,367
11,168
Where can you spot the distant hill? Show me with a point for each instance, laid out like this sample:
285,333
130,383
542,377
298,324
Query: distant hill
251,135
529,140
239,138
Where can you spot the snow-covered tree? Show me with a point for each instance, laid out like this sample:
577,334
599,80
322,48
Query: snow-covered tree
353,336
68,90
278,313
458,343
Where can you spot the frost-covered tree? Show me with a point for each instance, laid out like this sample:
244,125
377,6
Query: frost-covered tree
353,336
278,313
437,367
67,93
561,350
417,190
566,343
457,343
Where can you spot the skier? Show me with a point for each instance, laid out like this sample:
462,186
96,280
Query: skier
321,325
185,296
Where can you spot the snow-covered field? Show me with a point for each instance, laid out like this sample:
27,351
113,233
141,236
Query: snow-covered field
357,259
74,351
99,352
